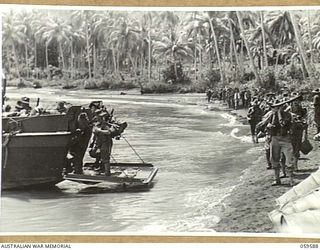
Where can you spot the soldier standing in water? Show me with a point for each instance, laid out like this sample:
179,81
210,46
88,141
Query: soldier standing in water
103,140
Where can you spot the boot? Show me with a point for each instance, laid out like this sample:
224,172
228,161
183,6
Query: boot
268,159
295,164
107,169
291,181
284,174
77,165
277,177
255,138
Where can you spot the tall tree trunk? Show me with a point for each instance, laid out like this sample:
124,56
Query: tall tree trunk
118,63
231,61
72,61
241,57
265,56
62,57
88,46
216,48
224,58
94,60
232,64
175,66
114,62
35,57
47,58
300,45
200,64
81,58
136,59
16,59
195,62
254,69
233,47
277,59
158,70
210,58
27,63
310,38
149,51
142,66
9,54
132,60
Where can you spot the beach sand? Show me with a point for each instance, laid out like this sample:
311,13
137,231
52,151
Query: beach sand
247,208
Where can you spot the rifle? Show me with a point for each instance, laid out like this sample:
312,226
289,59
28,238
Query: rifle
111,115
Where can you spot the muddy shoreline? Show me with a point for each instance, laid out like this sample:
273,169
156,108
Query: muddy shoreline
246,209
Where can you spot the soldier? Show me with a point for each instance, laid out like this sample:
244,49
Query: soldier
254,117
103,140
299,125
262,129
236,97
78,144
23,107
281,140
95,105
61,109
316,104
209,94
247,99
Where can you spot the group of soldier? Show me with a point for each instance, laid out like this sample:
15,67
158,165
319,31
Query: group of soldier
101,129
93,122
281,119
23,108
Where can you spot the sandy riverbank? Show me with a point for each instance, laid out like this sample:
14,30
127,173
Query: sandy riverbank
248,206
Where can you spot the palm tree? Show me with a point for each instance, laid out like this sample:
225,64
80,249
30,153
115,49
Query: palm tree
76,43
253,67
281,27
310,26
127,40
12,35
42,36
231,24
36,24
25,26
310,36
169,19
197,30
82,18
102,24
211,16
260,35
264,39
58,30
172,46
148,21
300,45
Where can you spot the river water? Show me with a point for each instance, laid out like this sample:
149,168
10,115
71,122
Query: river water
201,156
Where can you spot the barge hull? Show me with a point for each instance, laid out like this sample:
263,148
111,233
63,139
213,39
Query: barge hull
34,159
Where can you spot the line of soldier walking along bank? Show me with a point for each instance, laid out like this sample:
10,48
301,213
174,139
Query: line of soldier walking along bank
102,126
282,118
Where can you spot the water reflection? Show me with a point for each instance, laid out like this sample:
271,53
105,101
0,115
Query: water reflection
199,163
